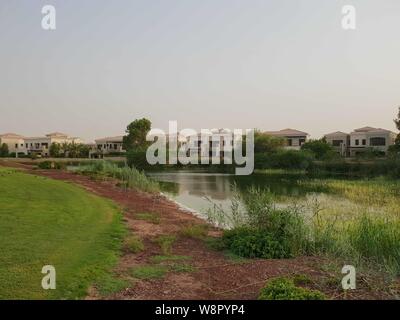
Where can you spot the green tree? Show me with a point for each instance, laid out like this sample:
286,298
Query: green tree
55,150
264,143
397,122
320,148
136,133
4,150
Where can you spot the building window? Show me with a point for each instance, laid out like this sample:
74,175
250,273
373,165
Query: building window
378,141
16,146
337,143
289,142
302,141
27,145
357,142
364,142
115,147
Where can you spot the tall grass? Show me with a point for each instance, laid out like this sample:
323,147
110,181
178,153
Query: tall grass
130,177
364,239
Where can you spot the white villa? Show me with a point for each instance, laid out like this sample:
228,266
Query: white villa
361,140
105,146
21,145
294,138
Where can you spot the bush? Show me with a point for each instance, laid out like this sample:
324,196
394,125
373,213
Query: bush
249,243
284,159
285,289
46,165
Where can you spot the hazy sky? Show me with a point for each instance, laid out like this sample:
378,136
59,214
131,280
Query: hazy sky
267,64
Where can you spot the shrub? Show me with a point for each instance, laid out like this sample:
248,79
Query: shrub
250,243
46,165
134,244
285,289
284,159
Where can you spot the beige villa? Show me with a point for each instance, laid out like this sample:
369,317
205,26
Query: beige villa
108,145
21,145
294,138
360,140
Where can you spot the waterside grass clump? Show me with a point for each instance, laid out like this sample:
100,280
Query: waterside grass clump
260,228
130,177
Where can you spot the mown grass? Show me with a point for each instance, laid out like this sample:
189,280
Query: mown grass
49,222
129,177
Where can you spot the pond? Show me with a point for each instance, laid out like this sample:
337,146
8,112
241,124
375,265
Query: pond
201,191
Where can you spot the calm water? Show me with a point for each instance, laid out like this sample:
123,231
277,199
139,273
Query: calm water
200,191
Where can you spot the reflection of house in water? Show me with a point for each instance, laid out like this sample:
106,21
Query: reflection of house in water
214,186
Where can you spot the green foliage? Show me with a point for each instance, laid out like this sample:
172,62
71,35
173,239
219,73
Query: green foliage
197,231
134,244
397,123
4,150
285,289
264,143
136,134
284,159
165,242
51,165
69,150
377,239
386,167
149,272
130,177
250,243
137,158
320,148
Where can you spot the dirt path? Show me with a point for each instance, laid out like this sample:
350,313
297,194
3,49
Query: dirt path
216,276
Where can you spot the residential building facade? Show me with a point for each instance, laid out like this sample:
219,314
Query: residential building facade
361,140
340,142
108,145
294,138
14,142
35,145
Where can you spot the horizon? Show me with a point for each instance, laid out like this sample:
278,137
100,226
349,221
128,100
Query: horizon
268,65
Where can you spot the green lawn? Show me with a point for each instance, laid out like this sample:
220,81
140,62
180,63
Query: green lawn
49,222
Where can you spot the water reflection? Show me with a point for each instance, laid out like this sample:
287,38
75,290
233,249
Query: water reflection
194,189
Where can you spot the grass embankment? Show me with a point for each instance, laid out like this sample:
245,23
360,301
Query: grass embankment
129,177
49,222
